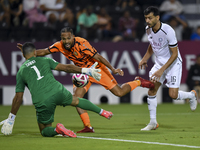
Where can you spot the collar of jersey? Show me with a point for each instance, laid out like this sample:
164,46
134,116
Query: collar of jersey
30,59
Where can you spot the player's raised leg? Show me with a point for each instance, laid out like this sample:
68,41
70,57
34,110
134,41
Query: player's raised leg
130,86
87,105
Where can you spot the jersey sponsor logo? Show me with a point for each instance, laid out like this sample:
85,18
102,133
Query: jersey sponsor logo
155,44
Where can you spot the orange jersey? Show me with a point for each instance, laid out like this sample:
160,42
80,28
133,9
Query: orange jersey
81,53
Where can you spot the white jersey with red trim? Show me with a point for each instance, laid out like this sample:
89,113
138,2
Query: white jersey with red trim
161,41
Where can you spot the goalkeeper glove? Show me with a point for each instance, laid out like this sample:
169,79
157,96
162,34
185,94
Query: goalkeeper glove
92,71
94,65
8,124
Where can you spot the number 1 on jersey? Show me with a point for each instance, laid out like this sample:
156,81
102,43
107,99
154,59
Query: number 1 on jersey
37,72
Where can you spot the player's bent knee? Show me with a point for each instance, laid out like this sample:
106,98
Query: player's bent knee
43,133
173,95
119,94
48,132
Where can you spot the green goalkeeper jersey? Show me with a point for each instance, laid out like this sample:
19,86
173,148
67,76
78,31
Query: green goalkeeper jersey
36,74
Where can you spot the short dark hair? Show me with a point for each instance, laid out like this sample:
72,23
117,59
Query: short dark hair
28,48
152,9
66,29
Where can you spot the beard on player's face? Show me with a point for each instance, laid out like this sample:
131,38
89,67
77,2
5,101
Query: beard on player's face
67,46
67,39
152,24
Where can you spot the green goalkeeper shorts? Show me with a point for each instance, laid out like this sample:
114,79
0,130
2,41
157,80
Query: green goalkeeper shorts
45,111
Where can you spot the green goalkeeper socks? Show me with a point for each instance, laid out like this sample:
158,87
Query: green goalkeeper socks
87,105
49,132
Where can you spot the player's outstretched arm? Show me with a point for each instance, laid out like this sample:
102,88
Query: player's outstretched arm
42,52
69,68
107,64
9,122
39,52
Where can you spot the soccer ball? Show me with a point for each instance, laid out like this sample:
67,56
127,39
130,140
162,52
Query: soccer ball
80,80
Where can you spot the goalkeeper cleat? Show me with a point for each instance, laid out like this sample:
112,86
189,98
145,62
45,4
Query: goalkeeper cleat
193,101
60,129
86,130
150,127
145,83
107,114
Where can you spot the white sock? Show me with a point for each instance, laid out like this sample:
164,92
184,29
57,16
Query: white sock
101,112
152,105
184,95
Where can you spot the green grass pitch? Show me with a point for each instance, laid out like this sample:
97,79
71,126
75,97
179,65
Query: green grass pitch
179,129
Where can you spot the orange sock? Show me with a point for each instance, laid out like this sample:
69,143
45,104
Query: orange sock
86,120
134,84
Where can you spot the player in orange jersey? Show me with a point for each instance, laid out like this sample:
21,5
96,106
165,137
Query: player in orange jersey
83,54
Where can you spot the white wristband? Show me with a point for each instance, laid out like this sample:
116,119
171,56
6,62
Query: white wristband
11,116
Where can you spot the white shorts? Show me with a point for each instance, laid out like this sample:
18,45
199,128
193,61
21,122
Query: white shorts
172,74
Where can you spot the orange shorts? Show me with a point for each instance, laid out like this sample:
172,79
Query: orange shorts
107,80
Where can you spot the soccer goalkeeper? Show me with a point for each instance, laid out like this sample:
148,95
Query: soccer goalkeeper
47,92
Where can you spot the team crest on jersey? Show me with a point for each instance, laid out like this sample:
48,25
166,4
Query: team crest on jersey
75,53
160,39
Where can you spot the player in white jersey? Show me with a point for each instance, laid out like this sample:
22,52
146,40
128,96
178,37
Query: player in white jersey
168,64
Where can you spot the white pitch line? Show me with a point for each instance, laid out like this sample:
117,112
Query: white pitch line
130,141
133,141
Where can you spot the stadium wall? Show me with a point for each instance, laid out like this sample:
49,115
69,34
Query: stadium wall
124,55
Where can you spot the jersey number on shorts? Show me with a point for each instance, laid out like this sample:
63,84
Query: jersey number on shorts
37,72
173,78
